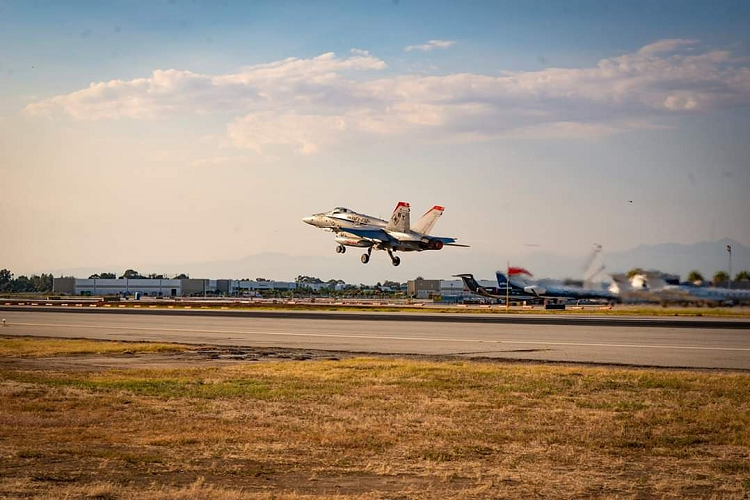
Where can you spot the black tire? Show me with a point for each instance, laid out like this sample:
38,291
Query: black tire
365,258
396,261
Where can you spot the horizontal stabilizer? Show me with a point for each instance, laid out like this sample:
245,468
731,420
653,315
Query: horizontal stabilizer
448,241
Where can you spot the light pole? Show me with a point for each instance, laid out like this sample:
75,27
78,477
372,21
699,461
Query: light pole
729,250
507,289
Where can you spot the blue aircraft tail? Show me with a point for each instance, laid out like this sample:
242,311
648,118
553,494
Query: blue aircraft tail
502,282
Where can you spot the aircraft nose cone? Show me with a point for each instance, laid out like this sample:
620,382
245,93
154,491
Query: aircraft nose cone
308,220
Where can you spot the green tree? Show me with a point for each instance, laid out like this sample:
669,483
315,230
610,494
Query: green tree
22,284
307,280
720,277
154,276
41,283
94,277
6,278
181,276
131,274
742,276
695,276
48,281
634,271
108,276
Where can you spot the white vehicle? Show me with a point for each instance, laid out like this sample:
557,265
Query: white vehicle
354,229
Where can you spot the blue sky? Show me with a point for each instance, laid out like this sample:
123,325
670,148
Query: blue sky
533,122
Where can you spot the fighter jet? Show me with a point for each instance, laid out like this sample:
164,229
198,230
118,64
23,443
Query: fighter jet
355,229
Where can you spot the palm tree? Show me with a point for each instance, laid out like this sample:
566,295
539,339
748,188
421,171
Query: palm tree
720,277
695,277
742,276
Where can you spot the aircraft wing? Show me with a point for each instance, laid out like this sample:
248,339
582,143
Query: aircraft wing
370,234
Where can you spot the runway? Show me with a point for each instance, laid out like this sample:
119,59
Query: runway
663,342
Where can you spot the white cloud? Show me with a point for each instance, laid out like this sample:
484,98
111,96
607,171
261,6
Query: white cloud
172,90
260,132
307,105
432,44
668,45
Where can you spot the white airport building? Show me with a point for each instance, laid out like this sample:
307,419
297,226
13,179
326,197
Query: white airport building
124,286
165,287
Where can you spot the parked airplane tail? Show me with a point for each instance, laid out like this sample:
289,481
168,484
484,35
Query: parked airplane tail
428,220
469,281
400,219
502,281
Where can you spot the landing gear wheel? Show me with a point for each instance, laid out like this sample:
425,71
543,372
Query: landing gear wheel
396,261
341,249
365,258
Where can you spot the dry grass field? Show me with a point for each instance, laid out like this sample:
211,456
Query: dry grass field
365,428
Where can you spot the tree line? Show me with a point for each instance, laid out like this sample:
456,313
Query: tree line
719,277
132,274
43,282
33,283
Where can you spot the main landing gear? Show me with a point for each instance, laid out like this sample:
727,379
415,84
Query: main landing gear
394,260
366,256
341,249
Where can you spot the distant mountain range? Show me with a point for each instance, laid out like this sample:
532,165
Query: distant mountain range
706,257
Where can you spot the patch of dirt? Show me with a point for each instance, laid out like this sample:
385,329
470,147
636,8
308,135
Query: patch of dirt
240,474
204,356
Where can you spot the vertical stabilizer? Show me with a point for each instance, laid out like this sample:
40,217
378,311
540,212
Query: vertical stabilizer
503,282
428,220
400,219
469,281
501,279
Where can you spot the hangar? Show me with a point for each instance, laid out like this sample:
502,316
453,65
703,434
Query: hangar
164,287
125,286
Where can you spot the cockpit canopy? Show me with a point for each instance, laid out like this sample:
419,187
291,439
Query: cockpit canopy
340,210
